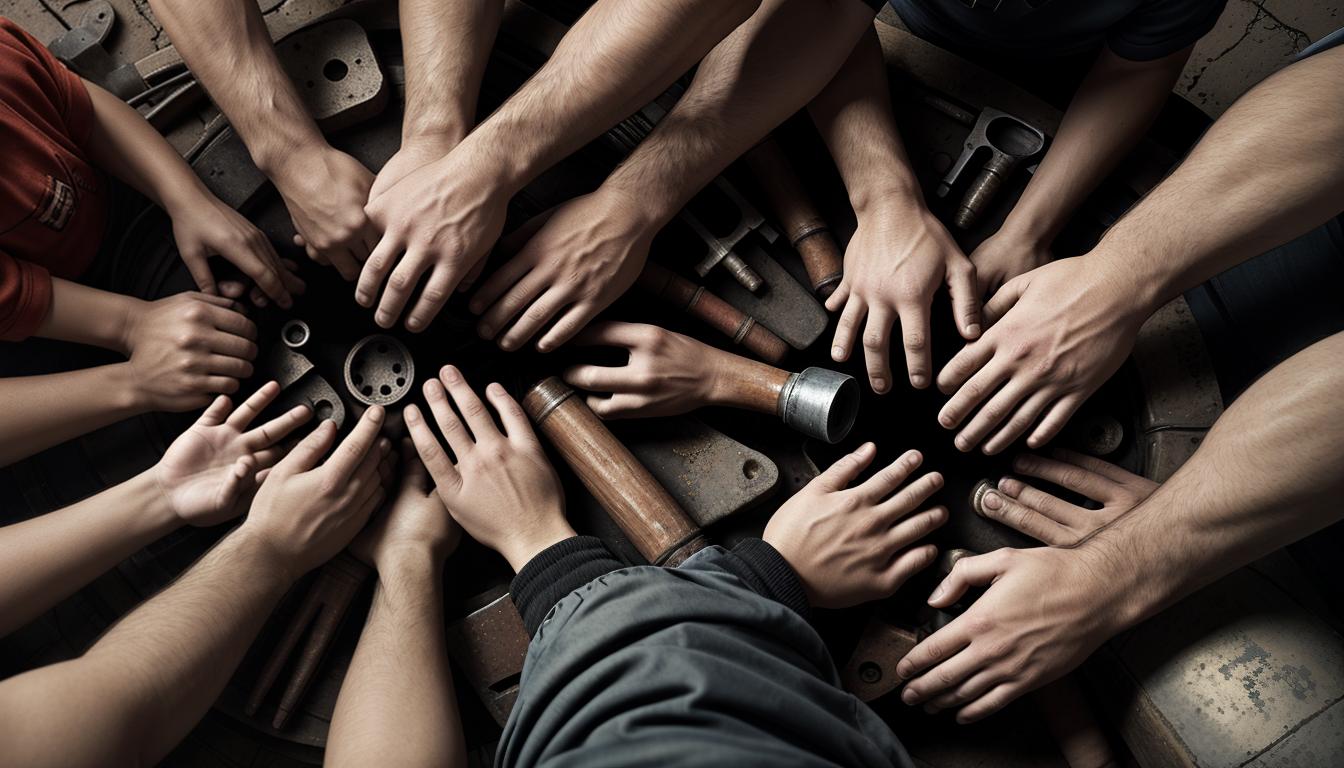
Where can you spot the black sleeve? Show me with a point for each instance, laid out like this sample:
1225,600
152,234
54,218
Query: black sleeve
555,572
1160,28
767,573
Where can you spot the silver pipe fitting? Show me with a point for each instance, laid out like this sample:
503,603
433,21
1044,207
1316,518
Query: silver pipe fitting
820,403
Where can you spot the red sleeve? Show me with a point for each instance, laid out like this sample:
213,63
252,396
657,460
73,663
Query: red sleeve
25,297
65,88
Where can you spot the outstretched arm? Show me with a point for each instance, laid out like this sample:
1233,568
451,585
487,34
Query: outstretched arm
1060,331
397,705
900,255
447,215
141,687
228,48
1113,108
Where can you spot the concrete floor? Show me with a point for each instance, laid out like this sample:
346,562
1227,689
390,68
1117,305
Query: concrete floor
1253,38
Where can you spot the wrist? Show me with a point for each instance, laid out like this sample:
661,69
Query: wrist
410,564
292,165
439,134
125,322
1029,228
128,397
154,509
525,545
1135,295
891,193
271,560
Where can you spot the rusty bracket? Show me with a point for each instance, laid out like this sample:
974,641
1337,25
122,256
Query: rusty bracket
489,646
871,670
82,49
336,72
300,383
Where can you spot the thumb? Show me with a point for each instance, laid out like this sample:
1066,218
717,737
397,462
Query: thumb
1004,299
977,571
845,470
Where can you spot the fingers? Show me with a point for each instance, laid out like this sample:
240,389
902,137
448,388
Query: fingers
941,678
263,265
839,296
431,300
970,689
516,425
498,283
199,269
399,286
977,571
847,327
611,334
911,497
279,428
1023,519
622,405
216,413
235,482
601,378
844,471
916,527
908,563
228,366
220,384
473,274
1055,419
534,318
431,453
1071,476
1004,299
1118,475
345,262
1026,414
357,444
876,347
229,321
375,270
233,346
209,298
934,649
569,324
970,395
889,478
468,404
503,311
254,405
992,702
965,292
915,336
990,415
964,364
309,451
460,441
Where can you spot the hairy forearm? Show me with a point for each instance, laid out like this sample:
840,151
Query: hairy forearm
445,47
617,57
1267,171
46,559
397,706
228,48
746,86
1266,475
129,148
854,116
1113,108
37,412
139,690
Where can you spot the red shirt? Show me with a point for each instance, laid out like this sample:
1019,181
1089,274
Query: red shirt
53,209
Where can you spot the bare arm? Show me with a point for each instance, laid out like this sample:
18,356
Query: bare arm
900,255
591,249
448,214
1112,109
129,148
397,705
1061,330
228,48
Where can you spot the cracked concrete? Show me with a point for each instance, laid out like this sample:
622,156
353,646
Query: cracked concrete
1252,39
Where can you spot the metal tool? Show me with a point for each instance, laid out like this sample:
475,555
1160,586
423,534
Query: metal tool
300,383
82,49
295,334
1004,141
804,227
703,304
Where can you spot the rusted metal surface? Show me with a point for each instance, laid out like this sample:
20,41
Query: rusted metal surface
871,670
334,68
710,475
489,646
792,205
81,47
1003,142
1179,385
300,383
785,306
379,371
709,308
319,618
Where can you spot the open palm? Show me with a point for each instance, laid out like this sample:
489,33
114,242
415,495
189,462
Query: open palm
208,473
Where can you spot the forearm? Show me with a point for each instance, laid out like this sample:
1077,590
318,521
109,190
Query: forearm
85,315
1266,475
46,559
617,57
1267,171
445,47
228,48
153,675
854,116
746,86
37,412
397,705
126,146
1112,109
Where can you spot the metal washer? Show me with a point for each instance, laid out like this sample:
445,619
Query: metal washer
379,370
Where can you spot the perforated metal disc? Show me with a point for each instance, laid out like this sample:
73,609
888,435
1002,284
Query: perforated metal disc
379,370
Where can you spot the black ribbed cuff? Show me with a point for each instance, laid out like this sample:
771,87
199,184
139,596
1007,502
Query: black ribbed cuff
768,573
555,572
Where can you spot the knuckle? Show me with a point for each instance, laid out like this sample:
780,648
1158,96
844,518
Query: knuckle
434,295
874,340
916,341
979,625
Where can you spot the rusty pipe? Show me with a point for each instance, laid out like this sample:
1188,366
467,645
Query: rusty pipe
643,509
803,225
699,302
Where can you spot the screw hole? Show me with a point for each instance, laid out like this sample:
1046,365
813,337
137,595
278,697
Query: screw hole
323,409
396,367
367,389
335,70
311,83
385,390
401,382
750,469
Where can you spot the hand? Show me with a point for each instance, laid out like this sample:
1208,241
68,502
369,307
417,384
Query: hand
853,545
1056,334
1044,613
415,522
1004,256
237,289
211,470
187,348
584,255
306,511
414,153
1052,520
205,227
440,219
894,264
501,488
667,373
325,191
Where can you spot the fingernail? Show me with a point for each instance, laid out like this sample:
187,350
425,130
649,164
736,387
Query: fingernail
413,323
937,593
837,353
451,373
903,670
384,319
946,421
507,345
918,381
543,346
376,411
973,329
879,385
411,413
485,331
962,444
909,697
362,298
992,500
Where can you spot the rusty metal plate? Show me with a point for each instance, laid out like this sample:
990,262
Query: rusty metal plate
709,474
783,305
336,73
871,670
489,646
1179,385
